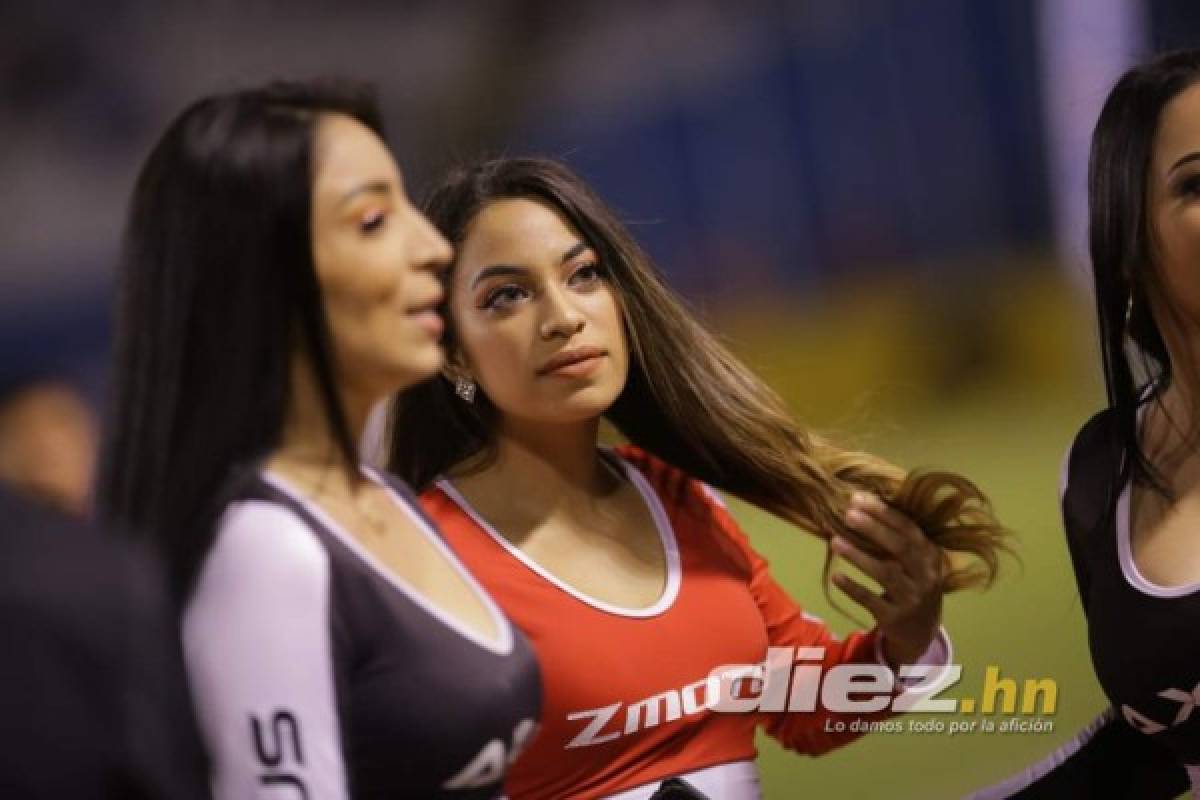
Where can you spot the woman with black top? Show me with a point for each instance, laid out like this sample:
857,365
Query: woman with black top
276,283
1131,480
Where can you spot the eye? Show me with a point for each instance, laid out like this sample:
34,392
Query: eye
1189,186
503,297
586,275
373,222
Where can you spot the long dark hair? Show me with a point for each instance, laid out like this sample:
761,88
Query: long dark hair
1121,241
687,400
217,290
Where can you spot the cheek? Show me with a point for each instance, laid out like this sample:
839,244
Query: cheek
609,317
497,352
362,296
1179,244
355,273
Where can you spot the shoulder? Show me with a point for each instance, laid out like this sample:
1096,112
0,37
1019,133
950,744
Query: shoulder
266,577
1099,432
65,579
690,502
1096,448
1089,476
264,544
677,490
60,562
665,478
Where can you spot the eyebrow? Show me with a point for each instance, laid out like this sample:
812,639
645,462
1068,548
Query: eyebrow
494,270
574,251
1190,157
374,187
509,269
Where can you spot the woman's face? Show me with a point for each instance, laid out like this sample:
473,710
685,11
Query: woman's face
538,323
1174,203
377,261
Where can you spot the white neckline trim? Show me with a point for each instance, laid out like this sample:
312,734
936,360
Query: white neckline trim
1124,512
1129,567
661,524
503,646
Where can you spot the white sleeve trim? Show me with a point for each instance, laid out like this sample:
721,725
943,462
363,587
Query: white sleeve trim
940,653
1030,775
256,637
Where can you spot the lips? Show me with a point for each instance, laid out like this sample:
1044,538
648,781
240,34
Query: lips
569,358
430,303
426,315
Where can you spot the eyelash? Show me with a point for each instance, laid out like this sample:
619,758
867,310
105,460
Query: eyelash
510,289
372,223
594,268
490,301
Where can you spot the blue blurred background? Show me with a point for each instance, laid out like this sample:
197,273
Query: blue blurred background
878,202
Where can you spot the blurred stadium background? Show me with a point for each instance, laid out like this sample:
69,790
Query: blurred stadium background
878,202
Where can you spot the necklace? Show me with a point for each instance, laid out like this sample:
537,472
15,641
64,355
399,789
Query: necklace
373,522
322,494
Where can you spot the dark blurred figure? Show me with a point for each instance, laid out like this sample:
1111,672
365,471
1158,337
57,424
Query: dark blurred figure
94,700
48,442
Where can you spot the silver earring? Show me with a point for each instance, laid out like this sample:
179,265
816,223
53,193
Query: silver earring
1129,311
465,388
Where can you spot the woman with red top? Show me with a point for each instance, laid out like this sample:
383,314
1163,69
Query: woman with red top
625,570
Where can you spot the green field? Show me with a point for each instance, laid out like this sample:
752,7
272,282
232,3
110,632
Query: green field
872,370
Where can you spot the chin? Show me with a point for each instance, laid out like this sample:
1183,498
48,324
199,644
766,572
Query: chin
583,405
418,367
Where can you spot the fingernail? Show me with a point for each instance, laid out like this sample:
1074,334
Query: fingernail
855,517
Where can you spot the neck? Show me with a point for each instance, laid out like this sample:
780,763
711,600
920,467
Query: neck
550,463
309,441
1168,433
1181,336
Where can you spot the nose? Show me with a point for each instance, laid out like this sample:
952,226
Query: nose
433,252
562,318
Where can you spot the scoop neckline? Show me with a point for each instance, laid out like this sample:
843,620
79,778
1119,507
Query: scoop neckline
662,524
1124,514
501,644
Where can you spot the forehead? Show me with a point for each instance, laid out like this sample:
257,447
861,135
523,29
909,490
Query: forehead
517,230
1178,129
345,154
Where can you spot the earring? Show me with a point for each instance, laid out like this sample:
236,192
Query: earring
465,388
1129,310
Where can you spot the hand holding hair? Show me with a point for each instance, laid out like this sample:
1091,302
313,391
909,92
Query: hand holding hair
908,567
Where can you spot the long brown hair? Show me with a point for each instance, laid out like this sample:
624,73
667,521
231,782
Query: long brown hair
687,400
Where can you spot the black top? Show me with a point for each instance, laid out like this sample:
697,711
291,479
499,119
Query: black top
317,670
1144,641
92,691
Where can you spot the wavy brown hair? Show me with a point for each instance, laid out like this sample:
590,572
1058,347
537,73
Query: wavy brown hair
687,400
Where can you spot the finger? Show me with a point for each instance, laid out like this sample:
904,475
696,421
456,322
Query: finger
875,532
873,603
890,516
886,572
916,551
